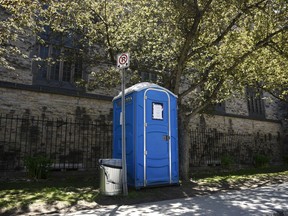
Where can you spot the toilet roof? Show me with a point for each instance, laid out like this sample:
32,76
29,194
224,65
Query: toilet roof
140,86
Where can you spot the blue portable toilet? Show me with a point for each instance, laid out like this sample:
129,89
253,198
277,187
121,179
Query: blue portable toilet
151,135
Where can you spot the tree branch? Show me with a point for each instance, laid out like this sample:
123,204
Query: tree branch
103,19
190,37
110,50
202,81
274,46
271,92
207,101
257,46
206,6
227,29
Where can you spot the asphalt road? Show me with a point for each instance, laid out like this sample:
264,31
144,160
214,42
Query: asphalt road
268,200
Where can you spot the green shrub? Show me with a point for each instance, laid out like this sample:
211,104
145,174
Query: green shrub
227,161
37,166
261,161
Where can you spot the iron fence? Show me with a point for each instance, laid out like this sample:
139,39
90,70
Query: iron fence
69,144
212,148
80,143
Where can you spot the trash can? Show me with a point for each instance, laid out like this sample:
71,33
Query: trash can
110,176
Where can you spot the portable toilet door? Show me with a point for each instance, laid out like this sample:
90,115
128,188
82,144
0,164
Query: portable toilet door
157,137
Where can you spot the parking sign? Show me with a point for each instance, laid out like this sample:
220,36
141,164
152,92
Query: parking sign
123,60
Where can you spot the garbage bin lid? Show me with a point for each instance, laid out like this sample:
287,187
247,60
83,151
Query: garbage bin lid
113,163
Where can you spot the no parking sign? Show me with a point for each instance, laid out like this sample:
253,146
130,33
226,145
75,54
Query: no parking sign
123,60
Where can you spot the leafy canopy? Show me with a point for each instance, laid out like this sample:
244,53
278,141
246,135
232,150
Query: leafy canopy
202,50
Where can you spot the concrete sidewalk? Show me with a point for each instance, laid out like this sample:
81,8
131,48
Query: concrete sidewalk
268,200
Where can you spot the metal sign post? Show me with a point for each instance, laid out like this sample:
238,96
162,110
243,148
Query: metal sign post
123,63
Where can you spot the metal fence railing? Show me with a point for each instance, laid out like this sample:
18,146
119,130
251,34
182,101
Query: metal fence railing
210,147
69,144
80,143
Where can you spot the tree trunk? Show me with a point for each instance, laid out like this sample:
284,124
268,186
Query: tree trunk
184,147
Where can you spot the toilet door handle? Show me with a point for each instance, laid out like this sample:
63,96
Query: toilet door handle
166,137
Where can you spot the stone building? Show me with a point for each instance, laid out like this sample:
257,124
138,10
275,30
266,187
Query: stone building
39,89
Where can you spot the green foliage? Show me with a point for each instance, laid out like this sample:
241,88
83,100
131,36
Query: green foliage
261,161
216,46
227,161
37,166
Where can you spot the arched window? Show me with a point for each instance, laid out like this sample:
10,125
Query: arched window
255,103
60,60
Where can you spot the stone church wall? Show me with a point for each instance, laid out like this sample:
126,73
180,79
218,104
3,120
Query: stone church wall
44,104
